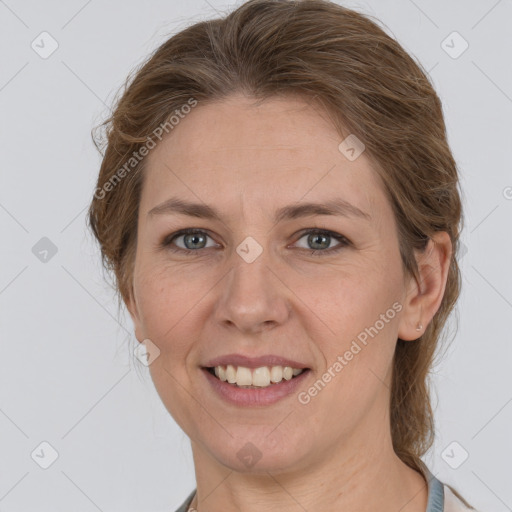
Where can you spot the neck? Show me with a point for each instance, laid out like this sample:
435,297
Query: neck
362,478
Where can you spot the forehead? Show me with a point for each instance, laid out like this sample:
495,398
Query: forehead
275,151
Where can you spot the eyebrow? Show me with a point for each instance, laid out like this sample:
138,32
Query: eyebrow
336,206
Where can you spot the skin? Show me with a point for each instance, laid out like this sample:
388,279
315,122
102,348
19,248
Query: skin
334,453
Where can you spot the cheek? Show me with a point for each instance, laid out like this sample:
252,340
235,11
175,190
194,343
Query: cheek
164,297
168,304
351,302
168,307
362,314
358,369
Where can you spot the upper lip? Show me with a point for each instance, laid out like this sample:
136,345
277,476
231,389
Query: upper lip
253,362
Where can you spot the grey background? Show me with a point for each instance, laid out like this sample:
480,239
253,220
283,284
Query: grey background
66,374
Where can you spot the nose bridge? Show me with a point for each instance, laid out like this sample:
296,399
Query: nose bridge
252,296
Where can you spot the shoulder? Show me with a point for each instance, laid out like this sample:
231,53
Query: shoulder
454,502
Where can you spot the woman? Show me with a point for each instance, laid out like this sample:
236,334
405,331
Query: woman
280,207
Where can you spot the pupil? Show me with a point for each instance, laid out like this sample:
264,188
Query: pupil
194,237
319,236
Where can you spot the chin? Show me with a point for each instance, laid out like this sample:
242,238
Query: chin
260,452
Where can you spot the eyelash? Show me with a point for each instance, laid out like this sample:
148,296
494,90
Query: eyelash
344,242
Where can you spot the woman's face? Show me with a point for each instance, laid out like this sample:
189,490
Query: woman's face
250,286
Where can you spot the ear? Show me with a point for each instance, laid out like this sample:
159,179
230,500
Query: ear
424,296
131,305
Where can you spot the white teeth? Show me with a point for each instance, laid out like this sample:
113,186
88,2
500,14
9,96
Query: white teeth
276,373
222,373
231,374
259,377
243,376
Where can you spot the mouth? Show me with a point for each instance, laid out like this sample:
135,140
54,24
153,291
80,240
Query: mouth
254,378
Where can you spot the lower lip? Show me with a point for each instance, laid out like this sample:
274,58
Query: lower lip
253,397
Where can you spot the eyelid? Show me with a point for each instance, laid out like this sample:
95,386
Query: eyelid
343,240
167,242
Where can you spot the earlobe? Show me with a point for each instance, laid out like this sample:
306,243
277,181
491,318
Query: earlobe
425,293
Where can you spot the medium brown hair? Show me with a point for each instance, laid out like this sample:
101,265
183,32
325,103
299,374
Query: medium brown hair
369,86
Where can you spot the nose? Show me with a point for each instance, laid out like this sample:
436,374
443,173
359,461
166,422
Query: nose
253,298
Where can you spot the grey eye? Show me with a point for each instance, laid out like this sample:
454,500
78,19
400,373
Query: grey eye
317,241
192,241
